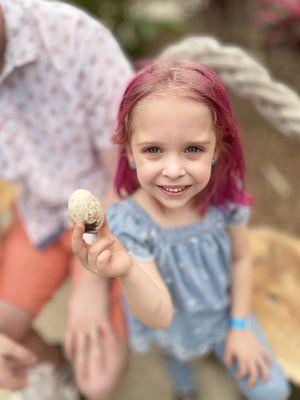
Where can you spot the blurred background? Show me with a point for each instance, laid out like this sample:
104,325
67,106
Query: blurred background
268,30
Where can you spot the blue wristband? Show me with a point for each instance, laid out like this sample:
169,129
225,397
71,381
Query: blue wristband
238,323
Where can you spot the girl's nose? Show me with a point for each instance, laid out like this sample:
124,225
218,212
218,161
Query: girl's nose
173,169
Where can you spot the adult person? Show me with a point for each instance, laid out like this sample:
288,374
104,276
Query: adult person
14,352
62,75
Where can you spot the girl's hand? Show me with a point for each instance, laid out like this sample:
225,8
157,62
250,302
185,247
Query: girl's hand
251,358
105,257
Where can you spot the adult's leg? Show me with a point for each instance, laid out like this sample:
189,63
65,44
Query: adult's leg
28,279
277,386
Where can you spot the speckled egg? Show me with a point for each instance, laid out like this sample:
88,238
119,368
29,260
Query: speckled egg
84,208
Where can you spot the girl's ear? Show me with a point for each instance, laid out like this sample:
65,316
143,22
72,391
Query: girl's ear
129,153
131,161
215,156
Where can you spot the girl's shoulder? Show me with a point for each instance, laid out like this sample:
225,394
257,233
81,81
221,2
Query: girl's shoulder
127,215
130,224
119,206
233,213
119,209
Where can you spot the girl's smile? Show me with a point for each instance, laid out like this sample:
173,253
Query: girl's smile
174,191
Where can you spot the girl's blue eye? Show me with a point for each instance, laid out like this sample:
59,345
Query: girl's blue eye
193,149
152,150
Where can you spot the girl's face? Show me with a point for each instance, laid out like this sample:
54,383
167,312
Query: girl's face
173,142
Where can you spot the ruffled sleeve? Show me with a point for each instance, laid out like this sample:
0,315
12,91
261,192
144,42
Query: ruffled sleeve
131,232
236,214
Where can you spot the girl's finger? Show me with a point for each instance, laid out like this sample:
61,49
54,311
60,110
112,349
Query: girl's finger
253,373
104,229
228,359
263,369
242,369
267,358
102,263
79,246
96,249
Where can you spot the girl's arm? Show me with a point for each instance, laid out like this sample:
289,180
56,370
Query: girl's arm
143,286
147,295
241,283
242,346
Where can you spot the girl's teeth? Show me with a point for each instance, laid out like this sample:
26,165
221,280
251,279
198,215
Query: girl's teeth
174,190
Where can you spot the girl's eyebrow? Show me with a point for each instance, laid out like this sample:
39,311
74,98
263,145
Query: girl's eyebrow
189,142
148,143
202,143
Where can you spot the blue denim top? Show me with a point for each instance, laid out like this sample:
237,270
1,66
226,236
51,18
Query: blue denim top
194,261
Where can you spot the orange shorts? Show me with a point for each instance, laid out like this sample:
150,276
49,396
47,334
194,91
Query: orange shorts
29,277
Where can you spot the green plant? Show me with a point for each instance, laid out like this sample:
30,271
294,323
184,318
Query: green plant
138,35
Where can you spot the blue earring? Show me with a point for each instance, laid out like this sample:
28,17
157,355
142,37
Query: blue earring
132,164
214,161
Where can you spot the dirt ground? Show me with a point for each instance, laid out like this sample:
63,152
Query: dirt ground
265,149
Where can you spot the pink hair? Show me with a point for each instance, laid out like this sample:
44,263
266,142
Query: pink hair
202,85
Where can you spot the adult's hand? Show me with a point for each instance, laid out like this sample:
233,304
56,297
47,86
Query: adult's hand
14,361
99,364
98,357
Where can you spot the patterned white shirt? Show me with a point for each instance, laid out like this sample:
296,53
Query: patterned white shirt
60,88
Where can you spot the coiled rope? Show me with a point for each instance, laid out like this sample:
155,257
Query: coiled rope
245,76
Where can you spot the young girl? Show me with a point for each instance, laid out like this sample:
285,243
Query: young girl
181,164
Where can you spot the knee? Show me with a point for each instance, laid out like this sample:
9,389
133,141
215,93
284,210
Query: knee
278,389
14,321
